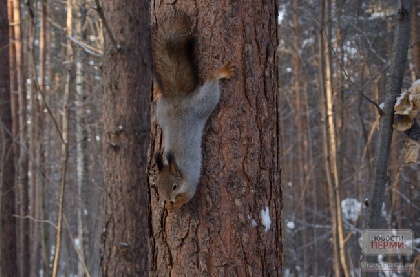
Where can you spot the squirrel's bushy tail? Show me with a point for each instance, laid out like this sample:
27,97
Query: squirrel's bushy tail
173,56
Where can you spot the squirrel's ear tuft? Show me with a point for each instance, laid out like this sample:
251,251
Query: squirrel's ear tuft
159,161
170,158
173,167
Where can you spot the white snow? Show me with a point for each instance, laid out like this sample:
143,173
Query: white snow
290,225
254,223
382,106
399,98
350,208
265,219
282,12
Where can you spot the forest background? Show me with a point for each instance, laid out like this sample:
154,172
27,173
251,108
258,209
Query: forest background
332,58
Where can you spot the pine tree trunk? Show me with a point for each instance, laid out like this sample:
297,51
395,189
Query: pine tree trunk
220,232
126,119
8,245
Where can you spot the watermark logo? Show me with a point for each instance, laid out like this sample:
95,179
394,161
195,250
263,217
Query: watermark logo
387,242
386,266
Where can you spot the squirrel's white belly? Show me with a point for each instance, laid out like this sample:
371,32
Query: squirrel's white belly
182,137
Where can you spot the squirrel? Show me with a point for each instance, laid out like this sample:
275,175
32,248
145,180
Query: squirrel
182,108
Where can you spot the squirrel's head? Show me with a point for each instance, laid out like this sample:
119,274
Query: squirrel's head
170,182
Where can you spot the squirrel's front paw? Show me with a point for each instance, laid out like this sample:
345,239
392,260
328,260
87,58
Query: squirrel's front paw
228,70
225,72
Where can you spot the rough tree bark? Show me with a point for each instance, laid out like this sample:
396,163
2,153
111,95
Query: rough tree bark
8,245
220,232
415,37
126,119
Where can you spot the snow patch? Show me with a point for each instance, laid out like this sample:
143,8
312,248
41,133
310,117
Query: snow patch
290,225
382,106
265,218
350,208
400,98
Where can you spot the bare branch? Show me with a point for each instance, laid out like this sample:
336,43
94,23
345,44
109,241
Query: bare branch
380,111
76,248
36,220
87,48
100,11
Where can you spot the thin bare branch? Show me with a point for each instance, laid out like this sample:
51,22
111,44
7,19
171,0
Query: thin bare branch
36,220
100,11
76,248
87,48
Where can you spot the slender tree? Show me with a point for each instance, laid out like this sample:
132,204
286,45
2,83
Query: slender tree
415,38
81,150
64,140
383,144
393,89
232,226
126,119
8,245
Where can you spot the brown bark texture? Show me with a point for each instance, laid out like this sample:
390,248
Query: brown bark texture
8,243
415,37
126,119
220,232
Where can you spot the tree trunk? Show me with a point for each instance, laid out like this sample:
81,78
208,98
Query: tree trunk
126,119
232,226
80,137
331,152
8,245
325,84
383,143
415,38
44,123
18,104
64,140
393,89
301,172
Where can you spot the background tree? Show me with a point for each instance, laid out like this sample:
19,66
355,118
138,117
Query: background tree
383,144
39,64
358,40
8,245
126,117
232,226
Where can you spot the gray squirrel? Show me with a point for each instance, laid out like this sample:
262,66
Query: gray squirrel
182,109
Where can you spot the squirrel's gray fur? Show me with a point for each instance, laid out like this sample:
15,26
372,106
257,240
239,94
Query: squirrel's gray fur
182,120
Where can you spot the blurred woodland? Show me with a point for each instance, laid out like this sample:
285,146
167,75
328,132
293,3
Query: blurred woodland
326,175
332,57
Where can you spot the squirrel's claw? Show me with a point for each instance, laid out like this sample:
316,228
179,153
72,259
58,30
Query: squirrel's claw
229,70
224,72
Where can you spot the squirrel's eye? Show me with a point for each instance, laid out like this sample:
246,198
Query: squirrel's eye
174,186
